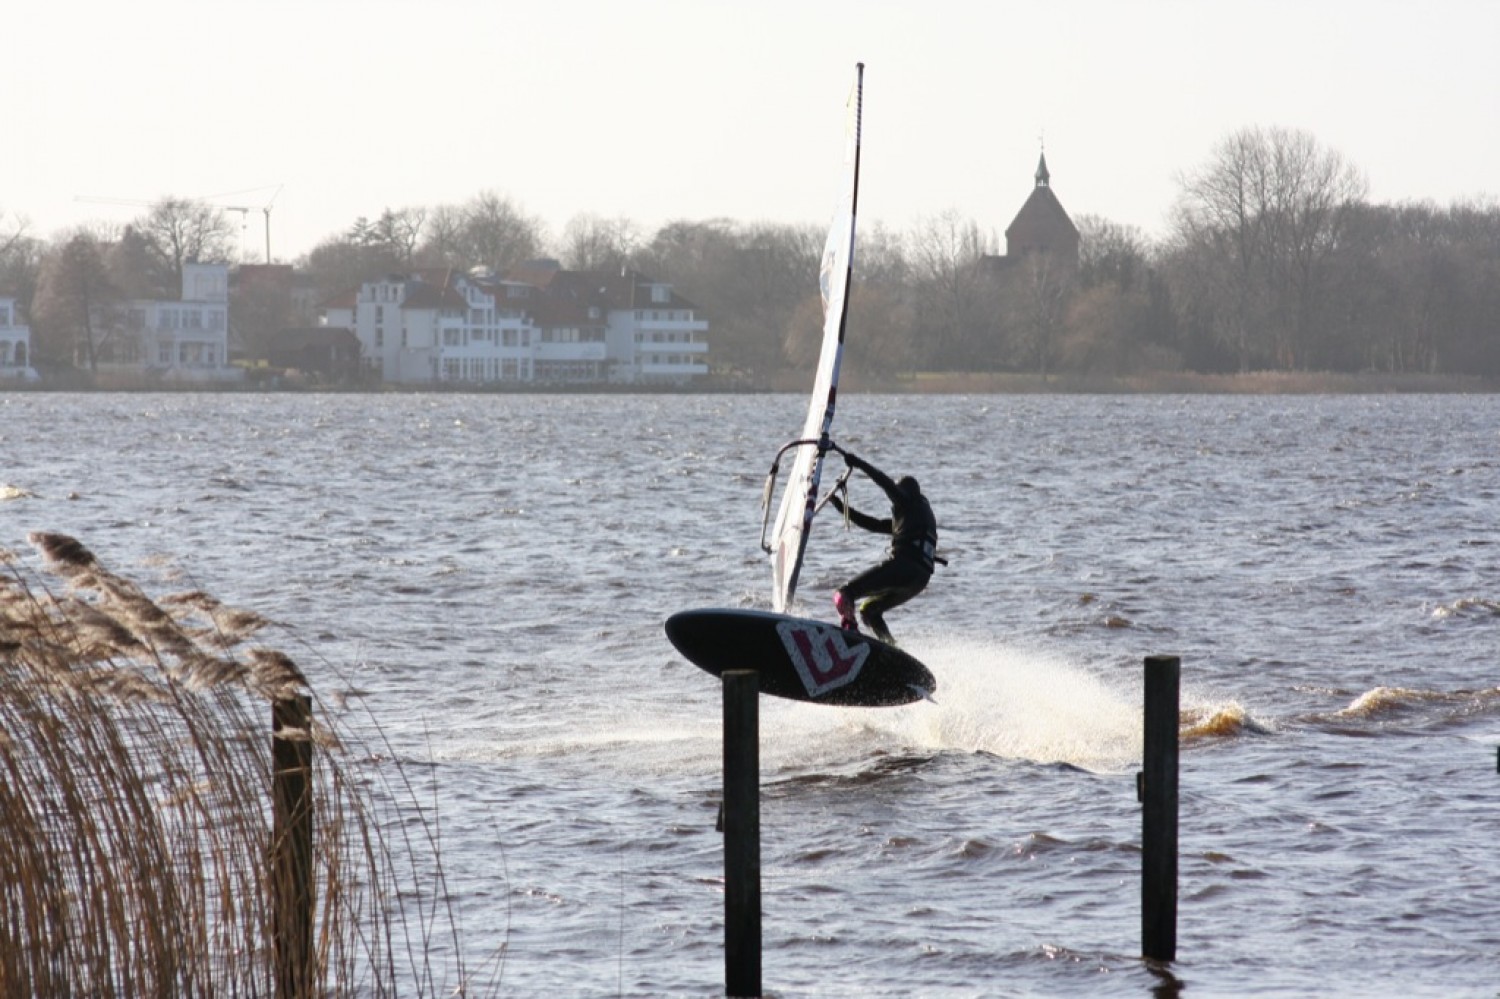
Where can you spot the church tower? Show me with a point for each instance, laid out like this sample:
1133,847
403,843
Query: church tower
1042,225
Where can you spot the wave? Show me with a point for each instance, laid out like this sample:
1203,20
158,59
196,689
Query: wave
1467,607
1384,701
1219,721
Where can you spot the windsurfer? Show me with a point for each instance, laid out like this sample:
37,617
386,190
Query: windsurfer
908,566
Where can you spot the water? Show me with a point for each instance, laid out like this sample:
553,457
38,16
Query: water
488,576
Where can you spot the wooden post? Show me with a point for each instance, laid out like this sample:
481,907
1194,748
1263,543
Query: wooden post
741,833
1159,812
292,893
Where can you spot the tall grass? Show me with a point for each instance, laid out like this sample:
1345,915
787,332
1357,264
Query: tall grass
136,810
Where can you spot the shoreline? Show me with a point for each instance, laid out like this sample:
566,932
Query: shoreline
855,383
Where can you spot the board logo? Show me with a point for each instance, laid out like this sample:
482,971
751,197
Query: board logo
822,657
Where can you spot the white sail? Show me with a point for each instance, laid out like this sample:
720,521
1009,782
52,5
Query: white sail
799,501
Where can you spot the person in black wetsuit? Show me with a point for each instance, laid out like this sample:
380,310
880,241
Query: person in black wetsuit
908,567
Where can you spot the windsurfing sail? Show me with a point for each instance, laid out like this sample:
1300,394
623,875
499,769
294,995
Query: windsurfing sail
799,501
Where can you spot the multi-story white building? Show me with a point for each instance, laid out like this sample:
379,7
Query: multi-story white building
652,335
438,326
538,325
15,344
184,340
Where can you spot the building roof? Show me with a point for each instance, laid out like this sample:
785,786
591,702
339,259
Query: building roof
346,299
1042,220
421,295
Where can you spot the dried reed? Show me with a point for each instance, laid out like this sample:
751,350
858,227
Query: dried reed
135,806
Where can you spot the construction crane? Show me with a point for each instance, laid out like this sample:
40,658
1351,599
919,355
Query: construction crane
244,210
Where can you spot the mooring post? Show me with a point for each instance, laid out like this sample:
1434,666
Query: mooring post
1158,794
292,895
741,833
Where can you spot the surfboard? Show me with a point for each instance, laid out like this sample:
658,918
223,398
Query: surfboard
801,659
799,501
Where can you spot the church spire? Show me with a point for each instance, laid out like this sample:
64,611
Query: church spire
1043,176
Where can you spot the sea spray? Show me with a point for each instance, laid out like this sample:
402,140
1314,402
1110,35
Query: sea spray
992,698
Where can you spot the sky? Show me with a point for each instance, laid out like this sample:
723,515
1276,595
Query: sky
661,110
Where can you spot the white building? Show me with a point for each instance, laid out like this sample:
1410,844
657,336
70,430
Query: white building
15,344
653,336
438,326
183,340
539,325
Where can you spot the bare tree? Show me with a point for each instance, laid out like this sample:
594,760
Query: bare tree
954,314
749,279
1034,294
1110,253
393,237
340,264
593,243
880,256
491,231
1264,218
877,341
20,261
76,305
180,231
12,234
443,231
135,267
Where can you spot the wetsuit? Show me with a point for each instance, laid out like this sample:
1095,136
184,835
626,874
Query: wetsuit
908,567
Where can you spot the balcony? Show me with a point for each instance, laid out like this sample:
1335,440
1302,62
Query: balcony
593,351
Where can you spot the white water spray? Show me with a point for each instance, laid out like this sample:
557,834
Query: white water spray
1014,703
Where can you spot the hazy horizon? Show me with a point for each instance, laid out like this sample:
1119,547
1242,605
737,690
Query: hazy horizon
672,109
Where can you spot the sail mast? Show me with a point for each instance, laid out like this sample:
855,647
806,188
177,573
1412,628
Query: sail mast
799,502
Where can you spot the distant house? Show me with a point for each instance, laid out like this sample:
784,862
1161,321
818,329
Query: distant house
15,344
538,325
325,353
652,335
185,339
263,300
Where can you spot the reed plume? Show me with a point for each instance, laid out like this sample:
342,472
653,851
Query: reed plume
136,819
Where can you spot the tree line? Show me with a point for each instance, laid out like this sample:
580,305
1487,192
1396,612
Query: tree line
1274,258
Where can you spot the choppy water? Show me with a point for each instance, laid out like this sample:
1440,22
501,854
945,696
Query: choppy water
491,573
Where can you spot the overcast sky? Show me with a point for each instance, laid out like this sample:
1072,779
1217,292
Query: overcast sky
690,109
